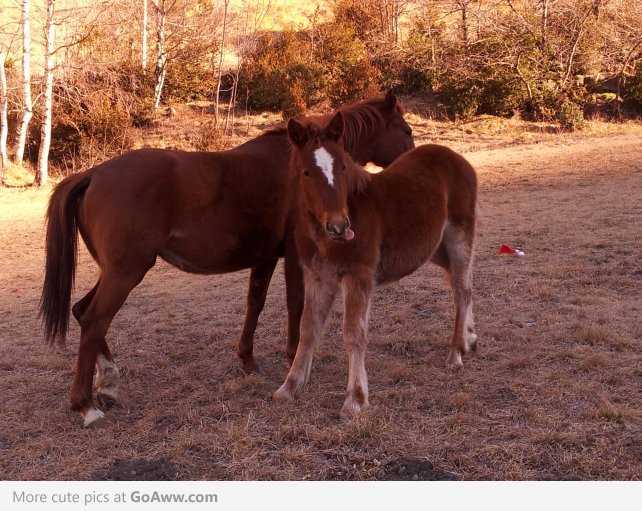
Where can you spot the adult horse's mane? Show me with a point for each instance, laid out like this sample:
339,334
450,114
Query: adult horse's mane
361,122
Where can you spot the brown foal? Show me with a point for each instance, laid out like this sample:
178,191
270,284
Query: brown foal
356,230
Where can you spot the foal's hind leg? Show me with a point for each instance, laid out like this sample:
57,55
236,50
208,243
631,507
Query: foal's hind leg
95,318
259,282
455,254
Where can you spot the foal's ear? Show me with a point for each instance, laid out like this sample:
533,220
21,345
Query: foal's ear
390,101
297,132
334,130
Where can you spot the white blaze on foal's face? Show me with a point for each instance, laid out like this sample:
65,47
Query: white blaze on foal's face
325,162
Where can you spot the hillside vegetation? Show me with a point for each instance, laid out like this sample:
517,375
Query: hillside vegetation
561,63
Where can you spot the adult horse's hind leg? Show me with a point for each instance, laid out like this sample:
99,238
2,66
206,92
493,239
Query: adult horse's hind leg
95,316
108,375
455,255
259,282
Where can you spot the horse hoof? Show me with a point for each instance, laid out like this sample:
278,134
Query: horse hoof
94,418
454,362
249,366
105,401
352,409
283,394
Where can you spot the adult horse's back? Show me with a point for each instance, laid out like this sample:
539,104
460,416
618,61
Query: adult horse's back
204,213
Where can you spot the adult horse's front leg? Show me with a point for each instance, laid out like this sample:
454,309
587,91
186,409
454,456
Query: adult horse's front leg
356,298
295,295
260,278
319,297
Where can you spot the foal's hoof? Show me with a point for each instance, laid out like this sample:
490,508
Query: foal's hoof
93,418
352,409
454,362
283,394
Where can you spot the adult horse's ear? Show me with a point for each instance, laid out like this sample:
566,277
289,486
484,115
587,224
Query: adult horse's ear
390,101
334,131
297,132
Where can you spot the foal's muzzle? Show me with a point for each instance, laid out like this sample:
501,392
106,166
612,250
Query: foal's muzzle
339,231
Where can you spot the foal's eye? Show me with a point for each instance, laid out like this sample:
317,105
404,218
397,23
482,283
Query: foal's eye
306,172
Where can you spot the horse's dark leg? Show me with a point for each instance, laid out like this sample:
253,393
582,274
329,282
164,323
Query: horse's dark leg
108,375
259,281
457,244
295,295
109,296
81,305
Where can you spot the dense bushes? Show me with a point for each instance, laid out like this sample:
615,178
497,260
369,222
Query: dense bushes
493,61
95,111
295,70
633,89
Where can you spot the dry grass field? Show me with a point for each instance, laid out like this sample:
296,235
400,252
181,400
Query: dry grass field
554,391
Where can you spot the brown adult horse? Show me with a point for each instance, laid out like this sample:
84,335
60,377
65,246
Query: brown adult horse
357,230
202,212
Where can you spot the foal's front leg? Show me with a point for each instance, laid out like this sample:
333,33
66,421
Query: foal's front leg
319,297
356,298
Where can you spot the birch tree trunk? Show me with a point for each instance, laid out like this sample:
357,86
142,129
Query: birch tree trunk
144,43
159,7
42,172
27,111
220,62
544,27
4,124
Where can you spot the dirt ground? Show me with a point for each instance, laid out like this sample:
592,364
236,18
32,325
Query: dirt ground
552,393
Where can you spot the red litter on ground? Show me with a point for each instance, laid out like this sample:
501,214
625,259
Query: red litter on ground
507,249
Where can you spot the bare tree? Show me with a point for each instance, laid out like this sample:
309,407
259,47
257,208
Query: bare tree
4,124
544,5
144,38
248,24
580,22
220,61
42,171
27,106
185,32
160,11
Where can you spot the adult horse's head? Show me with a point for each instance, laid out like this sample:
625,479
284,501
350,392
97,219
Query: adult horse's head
327,174
376,131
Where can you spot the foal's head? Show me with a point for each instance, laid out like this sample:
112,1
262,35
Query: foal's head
327,173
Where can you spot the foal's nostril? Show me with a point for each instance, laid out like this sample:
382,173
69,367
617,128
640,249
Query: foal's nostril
335,229
332,228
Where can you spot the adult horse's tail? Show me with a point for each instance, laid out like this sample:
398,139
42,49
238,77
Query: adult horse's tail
61,252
